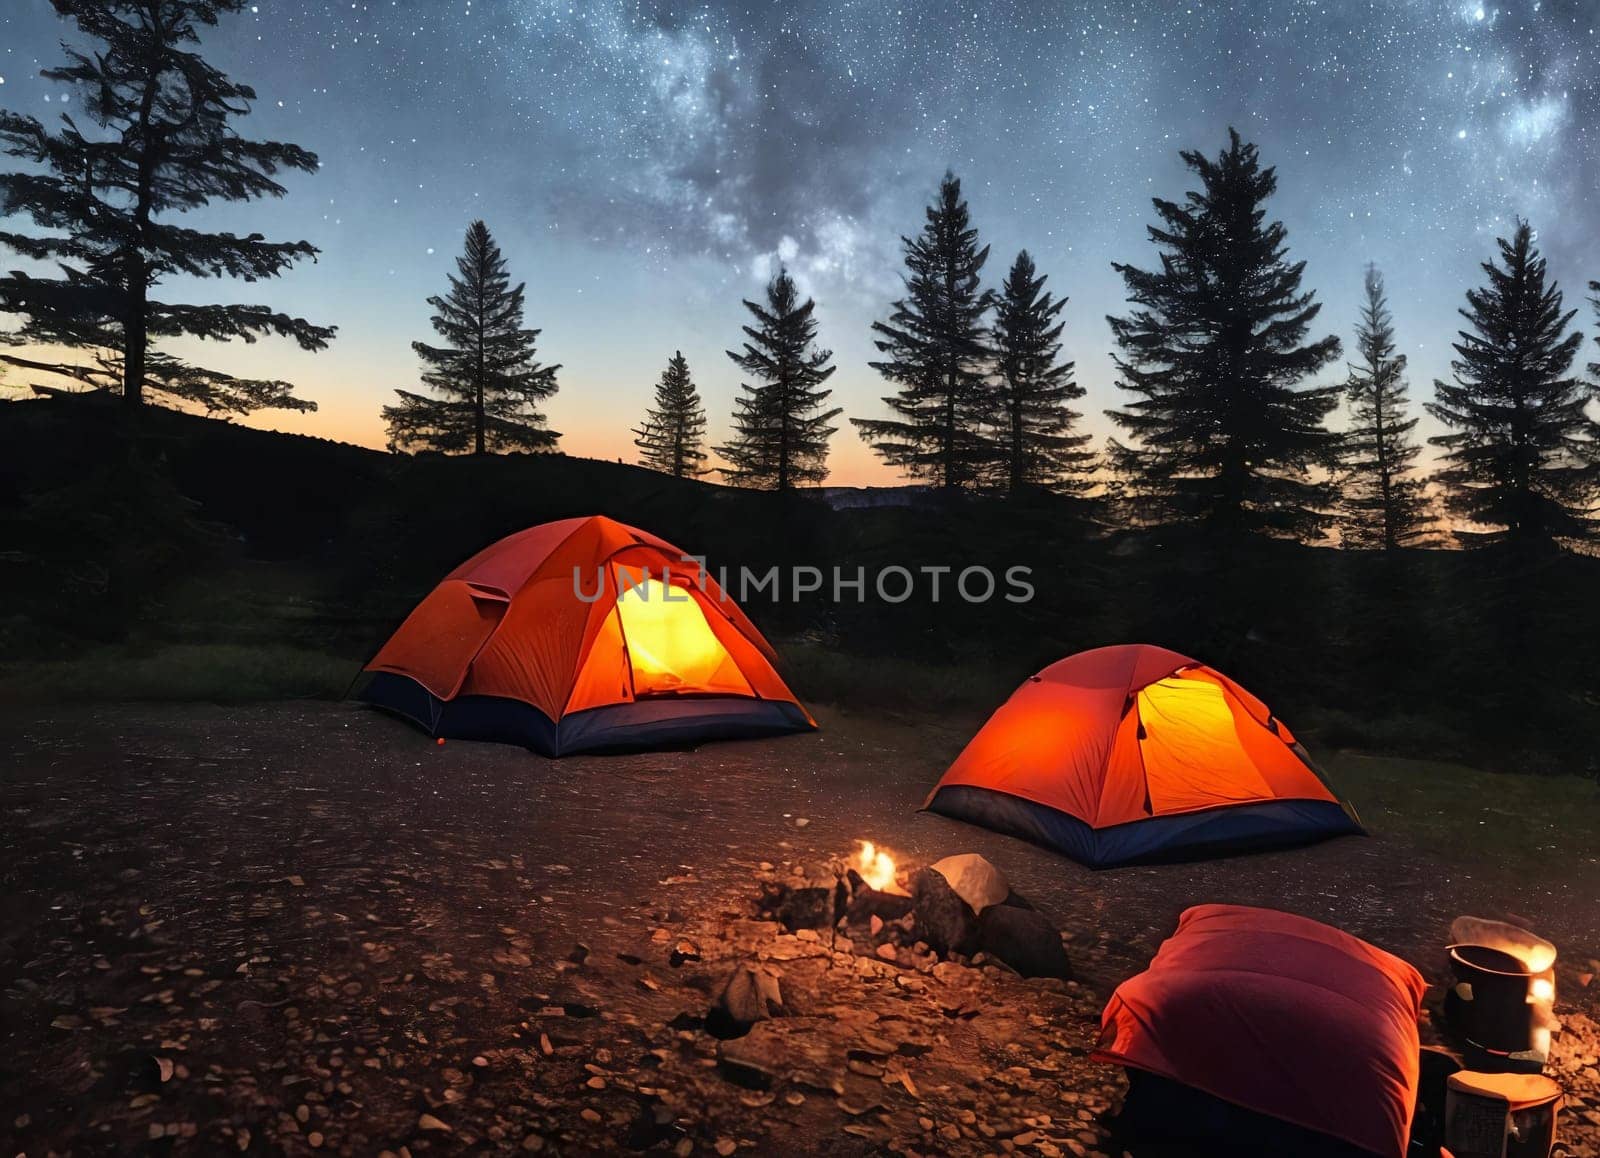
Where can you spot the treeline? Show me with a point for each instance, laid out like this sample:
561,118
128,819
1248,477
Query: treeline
176,531
1224,423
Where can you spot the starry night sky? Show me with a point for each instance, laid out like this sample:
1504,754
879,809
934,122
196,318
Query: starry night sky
646,165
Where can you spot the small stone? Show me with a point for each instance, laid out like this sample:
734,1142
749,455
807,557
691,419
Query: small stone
776,1056
596,1083
591,1115
726,1146
943,918
801,822
533,1143
314,1139
750,994
429,1122
683,951
974,879
812,906
867,903
1024,940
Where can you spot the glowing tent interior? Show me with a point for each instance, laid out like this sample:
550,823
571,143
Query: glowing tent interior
1133,753
582,635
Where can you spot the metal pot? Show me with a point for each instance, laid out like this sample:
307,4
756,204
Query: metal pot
1489,1004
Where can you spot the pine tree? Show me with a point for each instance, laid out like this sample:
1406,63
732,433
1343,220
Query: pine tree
672,437
1594,367
485,375
934,351
155,139
1036,448
1382,500
781,432
1520,462
1213,353
1594,303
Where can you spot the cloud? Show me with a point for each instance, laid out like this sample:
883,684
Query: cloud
700,136
1536,122
840,256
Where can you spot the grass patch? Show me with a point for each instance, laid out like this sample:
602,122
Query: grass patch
1469,814
206,672
1464,813
818,674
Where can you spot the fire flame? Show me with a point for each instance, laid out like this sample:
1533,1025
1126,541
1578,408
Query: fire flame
876,867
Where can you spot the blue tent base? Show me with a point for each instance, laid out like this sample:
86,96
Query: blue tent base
665,722
1183,836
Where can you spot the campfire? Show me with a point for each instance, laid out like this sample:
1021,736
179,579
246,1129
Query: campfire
960,909
876,867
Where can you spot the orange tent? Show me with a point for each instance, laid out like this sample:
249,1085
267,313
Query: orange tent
1138,753
579,635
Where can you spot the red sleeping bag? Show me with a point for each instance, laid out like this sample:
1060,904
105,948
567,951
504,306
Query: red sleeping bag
1281,1015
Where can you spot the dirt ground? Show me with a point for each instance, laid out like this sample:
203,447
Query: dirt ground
301,927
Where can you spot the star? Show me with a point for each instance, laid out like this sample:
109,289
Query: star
666,156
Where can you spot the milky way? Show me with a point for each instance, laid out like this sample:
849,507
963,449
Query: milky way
647,165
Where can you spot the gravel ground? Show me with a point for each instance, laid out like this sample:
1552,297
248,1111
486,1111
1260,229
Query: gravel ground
301,927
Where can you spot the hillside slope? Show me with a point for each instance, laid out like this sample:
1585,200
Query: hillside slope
124,539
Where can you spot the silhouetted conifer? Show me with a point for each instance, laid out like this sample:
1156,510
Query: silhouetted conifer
485,378
672,437
1214,353
935,351
155,139
1522,455
1381,497
780,429
1036,447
